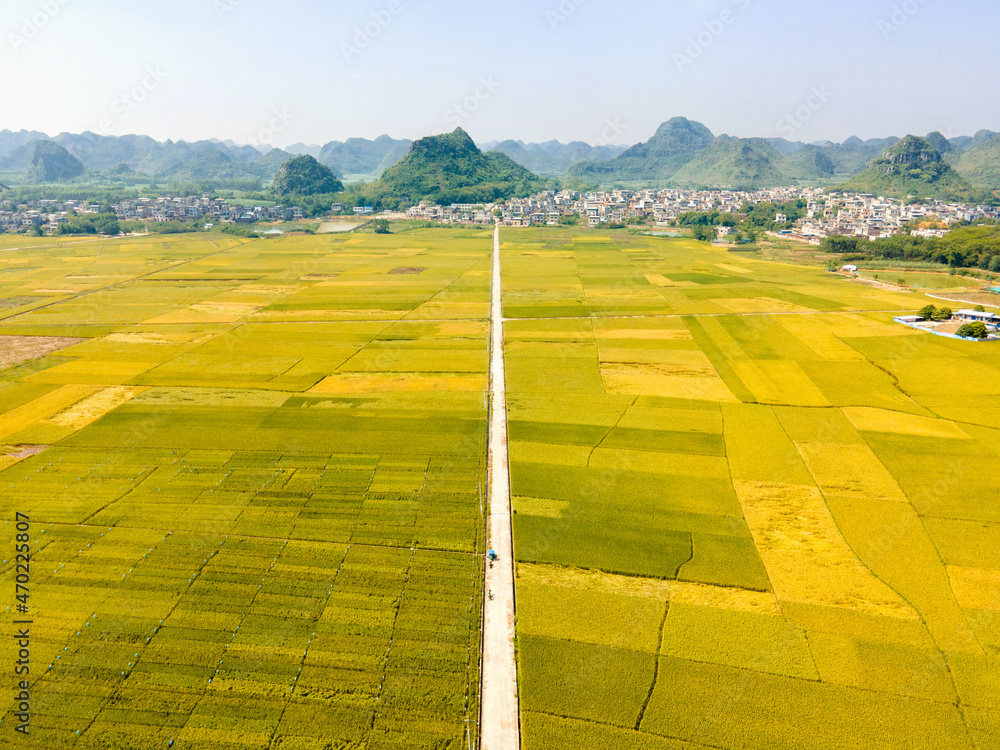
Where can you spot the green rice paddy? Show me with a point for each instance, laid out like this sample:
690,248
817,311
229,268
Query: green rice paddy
921,280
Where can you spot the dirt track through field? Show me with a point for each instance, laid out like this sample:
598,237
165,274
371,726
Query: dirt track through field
500,727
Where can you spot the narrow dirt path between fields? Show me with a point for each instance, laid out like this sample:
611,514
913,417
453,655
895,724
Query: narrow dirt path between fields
500,727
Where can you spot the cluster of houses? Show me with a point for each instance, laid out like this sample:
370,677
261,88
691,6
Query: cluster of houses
619,206
861,215
826,214
14,221
49,214
854,215
457,213
196,209
597,208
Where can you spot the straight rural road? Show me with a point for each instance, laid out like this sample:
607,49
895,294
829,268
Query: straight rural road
500,728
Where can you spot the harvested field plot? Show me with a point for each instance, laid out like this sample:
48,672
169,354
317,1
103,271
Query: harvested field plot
255,503
17,349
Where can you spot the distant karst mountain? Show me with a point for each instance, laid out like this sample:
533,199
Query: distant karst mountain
854,155
686,153
809,163
219,165
674,144
10,140
680,153
450,168
169,160
304,149
359,156
50,162
940,142
913,167
965,143
745,164
552,158
981,165
145,154
846,159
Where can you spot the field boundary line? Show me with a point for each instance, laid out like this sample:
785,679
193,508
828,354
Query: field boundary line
960,301
656,664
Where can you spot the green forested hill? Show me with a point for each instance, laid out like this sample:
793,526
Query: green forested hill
685,153
450,168
913,167
981,165
747,164
674,144
809,163
303,175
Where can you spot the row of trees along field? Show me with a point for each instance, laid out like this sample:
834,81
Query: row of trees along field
103,223
758,216
967,247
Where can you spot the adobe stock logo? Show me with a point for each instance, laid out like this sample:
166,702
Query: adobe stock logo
901,15
32,25
558,16
279,122
365,35
224,7
699,44
793,121
462,111
123,106
614,129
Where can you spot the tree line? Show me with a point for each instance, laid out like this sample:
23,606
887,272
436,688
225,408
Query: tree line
967,247
751,219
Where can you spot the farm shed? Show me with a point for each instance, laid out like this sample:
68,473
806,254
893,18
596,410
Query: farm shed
975,315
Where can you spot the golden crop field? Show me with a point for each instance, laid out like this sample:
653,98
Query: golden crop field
750,510
248,475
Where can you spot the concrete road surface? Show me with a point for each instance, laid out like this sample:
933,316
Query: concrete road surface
500,722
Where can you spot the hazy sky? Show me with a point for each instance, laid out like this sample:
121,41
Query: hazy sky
591,70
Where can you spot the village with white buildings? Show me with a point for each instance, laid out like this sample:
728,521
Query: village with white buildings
826,214
49,214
